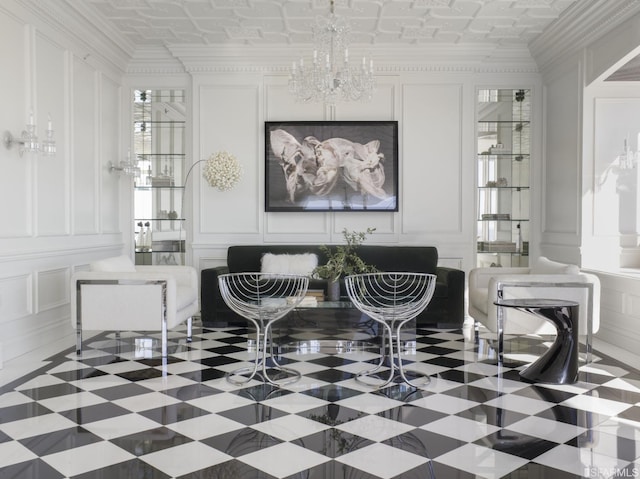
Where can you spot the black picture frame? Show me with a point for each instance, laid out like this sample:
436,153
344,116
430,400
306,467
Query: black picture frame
331,166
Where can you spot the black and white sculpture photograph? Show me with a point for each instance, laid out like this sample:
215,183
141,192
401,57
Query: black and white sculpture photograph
331,166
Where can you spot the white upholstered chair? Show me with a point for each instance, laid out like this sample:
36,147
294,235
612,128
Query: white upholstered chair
116,295
544,279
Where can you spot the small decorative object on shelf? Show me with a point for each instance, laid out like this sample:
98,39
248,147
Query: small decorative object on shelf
222,170
343,260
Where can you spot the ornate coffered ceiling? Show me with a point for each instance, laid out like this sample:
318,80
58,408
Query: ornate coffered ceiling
144,23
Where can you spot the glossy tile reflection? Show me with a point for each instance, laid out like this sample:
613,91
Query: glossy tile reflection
120,411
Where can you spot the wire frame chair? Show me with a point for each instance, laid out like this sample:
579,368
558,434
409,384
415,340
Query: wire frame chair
262,299
392,299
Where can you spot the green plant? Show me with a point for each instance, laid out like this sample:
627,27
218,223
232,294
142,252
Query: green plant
343,260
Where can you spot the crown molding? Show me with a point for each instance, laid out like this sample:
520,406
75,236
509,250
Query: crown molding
580,25
418,58
90,36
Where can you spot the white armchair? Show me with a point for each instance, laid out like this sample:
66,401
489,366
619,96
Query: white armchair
544,279
116,295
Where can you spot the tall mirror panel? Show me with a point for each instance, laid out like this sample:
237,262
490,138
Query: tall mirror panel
159,152
503,162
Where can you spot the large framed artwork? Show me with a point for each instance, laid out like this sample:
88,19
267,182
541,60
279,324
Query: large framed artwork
331,166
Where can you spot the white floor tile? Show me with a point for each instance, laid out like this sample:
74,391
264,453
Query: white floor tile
375,428
72,401
13,452
186,458
370,403
121,426
290,427
203,427
382,460
460,428
283,460
35,426
444,403
296,402
580,461
78,460
547,429
481,461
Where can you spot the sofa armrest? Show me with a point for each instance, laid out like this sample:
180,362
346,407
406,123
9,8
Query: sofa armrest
125,298
479,277
454,282
551,286
210,297
184,275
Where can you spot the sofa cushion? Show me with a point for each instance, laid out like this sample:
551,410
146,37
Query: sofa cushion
289,263
546,266
117,264
412,259
247,258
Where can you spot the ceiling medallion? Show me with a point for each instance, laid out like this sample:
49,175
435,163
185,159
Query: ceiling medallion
331,77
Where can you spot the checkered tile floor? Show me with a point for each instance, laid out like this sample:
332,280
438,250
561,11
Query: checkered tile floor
118,412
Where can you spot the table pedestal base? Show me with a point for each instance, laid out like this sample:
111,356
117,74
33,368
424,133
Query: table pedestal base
558,365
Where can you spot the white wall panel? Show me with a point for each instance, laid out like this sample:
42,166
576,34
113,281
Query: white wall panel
15,180
381,107
561,171
15,297
280,105
52,190
431,159
615,208
84,147
619,310
53,288
229,121
110,151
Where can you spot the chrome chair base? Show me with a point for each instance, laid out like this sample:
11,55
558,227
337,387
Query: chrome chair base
392,299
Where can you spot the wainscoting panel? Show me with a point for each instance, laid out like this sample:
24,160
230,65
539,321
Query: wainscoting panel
619,310
16,295
52,288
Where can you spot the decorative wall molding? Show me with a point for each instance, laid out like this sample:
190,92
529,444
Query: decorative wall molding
16,297
98,40
52,288
581,24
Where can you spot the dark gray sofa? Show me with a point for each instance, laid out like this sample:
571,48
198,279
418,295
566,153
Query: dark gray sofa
446,309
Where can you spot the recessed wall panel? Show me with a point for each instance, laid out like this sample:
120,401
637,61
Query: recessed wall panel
52,174
431,159
15,180
110,151
561,169
15,297
53,288
84,151
229,121
615,197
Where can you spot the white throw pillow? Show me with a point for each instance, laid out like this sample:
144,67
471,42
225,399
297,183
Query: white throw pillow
117,264
302,264
546,266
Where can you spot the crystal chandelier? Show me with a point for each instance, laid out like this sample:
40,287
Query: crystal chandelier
331,77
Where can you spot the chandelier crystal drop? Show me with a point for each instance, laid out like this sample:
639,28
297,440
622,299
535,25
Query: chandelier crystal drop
331,77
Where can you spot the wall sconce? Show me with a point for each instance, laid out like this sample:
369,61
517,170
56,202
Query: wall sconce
28,140
127,167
